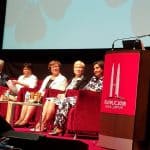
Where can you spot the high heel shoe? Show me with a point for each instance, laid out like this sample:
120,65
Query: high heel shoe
38,129
35,130
57,132
21,124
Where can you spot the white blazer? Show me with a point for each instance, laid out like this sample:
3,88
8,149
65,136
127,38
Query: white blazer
59,83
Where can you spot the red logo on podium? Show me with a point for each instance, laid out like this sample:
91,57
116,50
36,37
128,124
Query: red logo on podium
120,83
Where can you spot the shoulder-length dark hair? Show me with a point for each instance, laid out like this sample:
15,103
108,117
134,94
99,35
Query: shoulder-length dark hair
100,63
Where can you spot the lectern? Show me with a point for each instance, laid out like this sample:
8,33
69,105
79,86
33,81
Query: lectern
124,116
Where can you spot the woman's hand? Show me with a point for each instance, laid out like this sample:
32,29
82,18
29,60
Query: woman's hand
15,82
61,96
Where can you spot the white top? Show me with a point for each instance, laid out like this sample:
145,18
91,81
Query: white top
31,81
59,83
73,82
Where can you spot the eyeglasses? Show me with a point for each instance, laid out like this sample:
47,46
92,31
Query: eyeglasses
55,66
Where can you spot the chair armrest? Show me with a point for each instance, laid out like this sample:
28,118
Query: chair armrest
51,93
3,89
87,111
21,93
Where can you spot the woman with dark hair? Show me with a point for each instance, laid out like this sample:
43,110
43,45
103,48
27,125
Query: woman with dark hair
96,81
27,79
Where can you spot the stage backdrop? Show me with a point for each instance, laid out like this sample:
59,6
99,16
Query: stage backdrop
78,24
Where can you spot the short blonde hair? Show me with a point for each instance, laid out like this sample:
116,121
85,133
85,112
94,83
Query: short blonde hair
54,62
79,62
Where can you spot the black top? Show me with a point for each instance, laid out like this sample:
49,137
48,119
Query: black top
3,78
49,83
80,83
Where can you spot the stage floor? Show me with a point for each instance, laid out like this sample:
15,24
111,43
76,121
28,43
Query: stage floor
91,142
